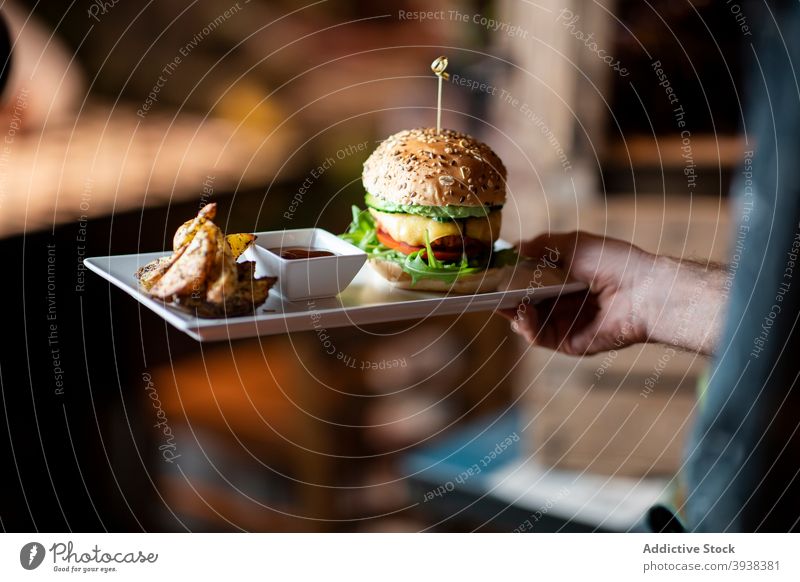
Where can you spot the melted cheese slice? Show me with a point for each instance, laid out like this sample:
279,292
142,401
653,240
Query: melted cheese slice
410,228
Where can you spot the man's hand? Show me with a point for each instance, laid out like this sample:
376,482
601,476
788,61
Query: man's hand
633,297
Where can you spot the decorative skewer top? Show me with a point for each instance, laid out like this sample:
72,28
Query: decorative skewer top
438,67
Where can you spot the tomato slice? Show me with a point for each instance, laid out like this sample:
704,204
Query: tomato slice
407,249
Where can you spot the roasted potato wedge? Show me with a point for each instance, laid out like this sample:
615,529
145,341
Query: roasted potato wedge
151,273
239,243
188,274
250,293
202,274
187,231
223,276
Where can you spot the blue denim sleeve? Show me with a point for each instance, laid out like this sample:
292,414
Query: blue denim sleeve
743,460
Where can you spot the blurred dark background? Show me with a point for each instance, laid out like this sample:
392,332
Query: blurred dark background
129,117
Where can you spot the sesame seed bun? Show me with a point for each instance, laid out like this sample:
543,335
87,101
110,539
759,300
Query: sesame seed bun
482,282
421,166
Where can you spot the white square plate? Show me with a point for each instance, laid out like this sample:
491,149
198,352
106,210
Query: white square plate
368,299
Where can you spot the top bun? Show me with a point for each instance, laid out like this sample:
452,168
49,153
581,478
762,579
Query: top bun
421,166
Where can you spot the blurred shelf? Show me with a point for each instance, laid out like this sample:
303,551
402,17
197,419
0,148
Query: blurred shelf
665,151
110,161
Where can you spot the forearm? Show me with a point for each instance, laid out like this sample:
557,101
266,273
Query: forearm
686,306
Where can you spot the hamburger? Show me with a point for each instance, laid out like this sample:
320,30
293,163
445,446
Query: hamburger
434,202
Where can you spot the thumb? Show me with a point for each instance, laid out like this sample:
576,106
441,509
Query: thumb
558,247
533,248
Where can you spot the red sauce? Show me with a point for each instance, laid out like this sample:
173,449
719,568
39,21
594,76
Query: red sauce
301,253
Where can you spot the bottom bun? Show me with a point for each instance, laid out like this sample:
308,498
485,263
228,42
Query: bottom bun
482,282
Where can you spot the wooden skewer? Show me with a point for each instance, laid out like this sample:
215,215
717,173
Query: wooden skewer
438,66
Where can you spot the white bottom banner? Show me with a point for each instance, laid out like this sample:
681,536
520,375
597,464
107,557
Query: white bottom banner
308,557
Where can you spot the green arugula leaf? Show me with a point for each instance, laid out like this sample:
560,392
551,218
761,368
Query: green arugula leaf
363,234
433,262
416,266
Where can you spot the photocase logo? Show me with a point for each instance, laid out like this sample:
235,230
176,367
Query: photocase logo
31,555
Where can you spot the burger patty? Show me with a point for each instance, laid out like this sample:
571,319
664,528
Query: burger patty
410,229
448,248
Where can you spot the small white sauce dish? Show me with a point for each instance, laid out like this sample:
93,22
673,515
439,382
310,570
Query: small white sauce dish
306,278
